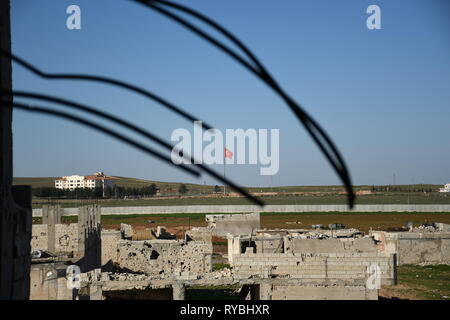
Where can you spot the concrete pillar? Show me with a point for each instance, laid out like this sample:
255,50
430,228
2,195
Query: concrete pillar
51,230
95,293
234,247
230,249
178,291
45,210
51,282
57,213
81,230
89,237
265,291
51,210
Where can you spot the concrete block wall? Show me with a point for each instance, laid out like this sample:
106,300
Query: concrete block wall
289,244
336,268
332,245
235,224
165,258
319,268
110,238
65,237
268,208
83,238
416,247
443,227
270,245
39,237
203,235
323,292
48,282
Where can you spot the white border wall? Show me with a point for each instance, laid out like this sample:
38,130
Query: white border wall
267,208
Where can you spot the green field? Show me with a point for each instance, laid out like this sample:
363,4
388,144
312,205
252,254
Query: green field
363,221
420,282
416,198
301,195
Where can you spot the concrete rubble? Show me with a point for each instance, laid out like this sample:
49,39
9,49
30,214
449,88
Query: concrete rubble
317,263
239,224
425,244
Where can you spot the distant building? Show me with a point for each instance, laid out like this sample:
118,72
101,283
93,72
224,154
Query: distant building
98,179
446,188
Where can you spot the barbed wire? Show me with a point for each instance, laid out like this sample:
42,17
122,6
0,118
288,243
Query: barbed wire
319,136
116,135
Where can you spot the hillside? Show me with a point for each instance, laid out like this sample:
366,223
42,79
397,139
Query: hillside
120,181
199,188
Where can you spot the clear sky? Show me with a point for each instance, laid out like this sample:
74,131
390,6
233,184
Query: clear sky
383,95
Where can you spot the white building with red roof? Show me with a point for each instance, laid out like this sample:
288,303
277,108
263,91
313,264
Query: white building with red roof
96,180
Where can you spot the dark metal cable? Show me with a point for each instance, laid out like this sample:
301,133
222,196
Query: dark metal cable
311,126
102,129
97,112
316,132
319,136
218,27
263,71
141,131
146,93
111,81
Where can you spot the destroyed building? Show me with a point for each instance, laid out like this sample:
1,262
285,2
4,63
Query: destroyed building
150,263
427,244
298,265
56,245
270,264
222,224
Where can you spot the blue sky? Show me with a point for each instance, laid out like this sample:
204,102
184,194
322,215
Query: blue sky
383,95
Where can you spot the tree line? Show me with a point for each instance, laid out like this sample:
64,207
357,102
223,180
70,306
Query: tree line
116,192
390,188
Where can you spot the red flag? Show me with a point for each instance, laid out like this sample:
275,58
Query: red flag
228,154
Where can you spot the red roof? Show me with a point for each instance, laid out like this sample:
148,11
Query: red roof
92,177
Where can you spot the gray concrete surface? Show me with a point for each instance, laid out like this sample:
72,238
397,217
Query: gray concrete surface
267,208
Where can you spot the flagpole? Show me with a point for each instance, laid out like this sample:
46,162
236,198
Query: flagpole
224,185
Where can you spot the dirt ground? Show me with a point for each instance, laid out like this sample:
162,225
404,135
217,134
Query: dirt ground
398,292
361,221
